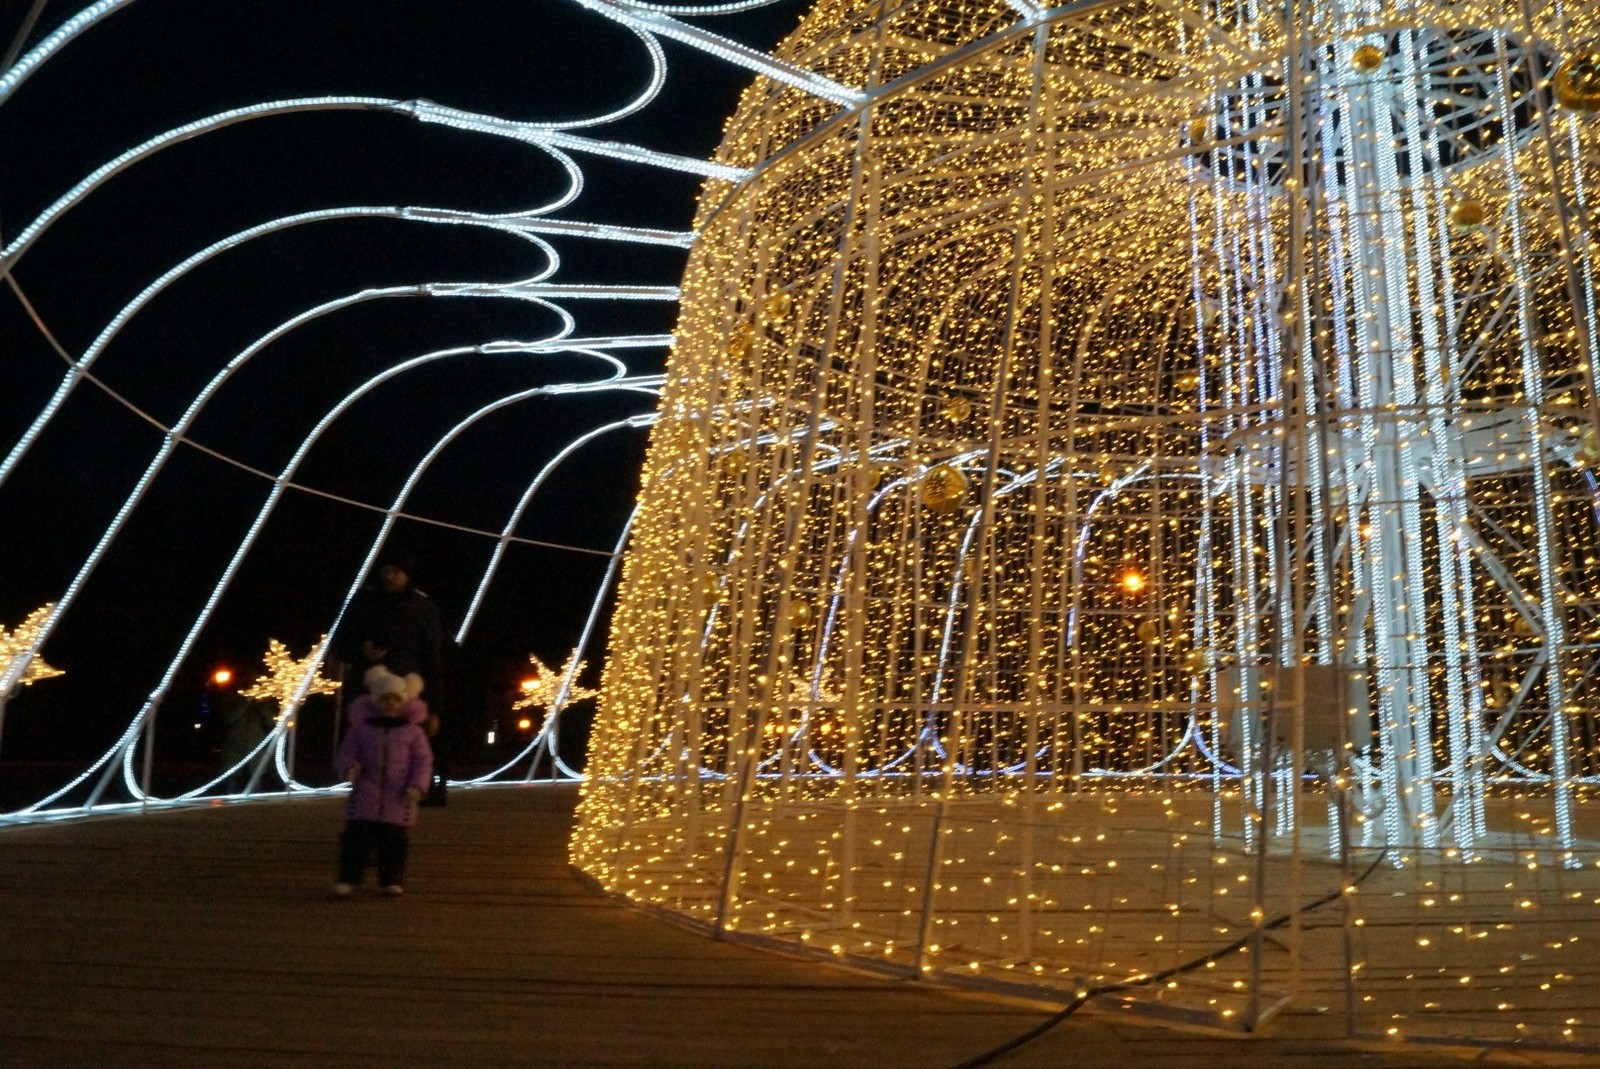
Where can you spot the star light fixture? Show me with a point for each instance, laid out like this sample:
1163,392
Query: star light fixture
20,643
543,689
286,676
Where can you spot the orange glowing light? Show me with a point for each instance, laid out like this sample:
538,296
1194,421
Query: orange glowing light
222,677
1132,582
530,683
524,724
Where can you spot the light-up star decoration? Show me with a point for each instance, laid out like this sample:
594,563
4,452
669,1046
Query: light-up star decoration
542,687
284,674
18,643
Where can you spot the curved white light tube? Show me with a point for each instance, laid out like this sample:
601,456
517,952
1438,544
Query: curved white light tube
176,434
80,368
276,493
550,347
521,507
398,507
730,50
24,67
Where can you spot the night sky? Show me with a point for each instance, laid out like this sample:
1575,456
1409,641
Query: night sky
161,63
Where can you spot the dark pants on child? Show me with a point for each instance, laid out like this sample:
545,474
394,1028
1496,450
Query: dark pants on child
361,838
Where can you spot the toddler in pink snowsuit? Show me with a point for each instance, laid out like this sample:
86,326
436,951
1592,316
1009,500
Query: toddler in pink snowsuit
386,758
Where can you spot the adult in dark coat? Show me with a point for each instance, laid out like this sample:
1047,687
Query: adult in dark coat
393,625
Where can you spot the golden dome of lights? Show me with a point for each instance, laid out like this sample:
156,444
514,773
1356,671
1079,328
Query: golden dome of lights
1576,84
1100,237
1467,216
1367,59
943,488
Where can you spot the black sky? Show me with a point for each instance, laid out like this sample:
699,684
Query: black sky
160,63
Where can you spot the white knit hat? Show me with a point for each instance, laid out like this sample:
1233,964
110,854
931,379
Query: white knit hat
381,681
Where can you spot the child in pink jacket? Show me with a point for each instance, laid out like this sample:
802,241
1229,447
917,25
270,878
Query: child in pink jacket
386,758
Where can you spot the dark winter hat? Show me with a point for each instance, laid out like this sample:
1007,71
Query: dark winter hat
403,559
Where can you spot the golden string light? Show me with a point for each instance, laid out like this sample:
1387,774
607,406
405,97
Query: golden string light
542,688
285,674
1120,513
19,642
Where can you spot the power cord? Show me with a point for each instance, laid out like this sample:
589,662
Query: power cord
1078,1003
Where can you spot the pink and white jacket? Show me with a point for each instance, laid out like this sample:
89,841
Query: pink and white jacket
391,754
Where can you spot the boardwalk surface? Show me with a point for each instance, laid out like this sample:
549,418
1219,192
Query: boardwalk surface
206,938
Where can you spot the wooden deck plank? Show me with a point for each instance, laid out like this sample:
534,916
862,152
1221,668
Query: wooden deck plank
206,938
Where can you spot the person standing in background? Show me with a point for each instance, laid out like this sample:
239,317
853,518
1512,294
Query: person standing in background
393,625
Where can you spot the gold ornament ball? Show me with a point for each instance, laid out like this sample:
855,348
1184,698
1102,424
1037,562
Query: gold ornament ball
943,488
1367,59
737,461
1189,381
739,346
778,305
1589,444
1148,631
799,614
1576,84
1467,216
958,408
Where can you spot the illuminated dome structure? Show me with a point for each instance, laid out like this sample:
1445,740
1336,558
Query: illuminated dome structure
1122,513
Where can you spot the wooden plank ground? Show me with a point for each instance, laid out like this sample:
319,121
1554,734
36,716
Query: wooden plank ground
206,938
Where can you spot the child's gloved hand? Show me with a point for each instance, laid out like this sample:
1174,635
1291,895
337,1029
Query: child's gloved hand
351,773
413,794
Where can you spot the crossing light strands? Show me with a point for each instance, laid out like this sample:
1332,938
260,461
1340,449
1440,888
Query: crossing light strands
1172,445
562,142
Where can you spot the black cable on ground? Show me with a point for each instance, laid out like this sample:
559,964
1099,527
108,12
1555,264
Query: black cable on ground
1078,1003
